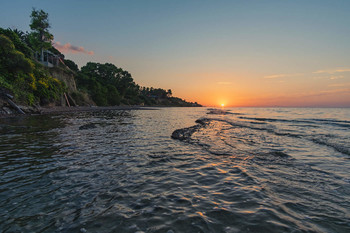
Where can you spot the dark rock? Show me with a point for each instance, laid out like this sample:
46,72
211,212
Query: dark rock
29,109
7,110
186,133
202,121
88,126
218,112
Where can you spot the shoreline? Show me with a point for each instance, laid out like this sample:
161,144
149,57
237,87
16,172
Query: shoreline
74,109
62,110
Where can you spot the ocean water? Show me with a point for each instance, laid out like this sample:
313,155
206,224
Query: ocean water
238,170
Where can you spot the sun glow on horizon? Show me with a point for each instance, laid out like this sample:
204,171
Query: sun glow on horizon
222,105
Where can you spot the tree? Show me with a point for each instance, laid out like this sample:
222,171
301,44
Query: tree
71,65
169,93
18,39
11,59
40,38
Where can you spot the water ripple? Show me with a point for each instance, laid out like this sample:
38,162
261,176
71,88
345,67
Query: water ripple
119,171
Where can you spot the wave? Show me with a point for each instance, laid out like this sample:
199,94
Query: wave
185,134
338,123
215,111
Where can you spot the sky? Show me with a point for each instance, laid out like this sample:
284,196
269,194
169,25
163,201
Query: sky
286,53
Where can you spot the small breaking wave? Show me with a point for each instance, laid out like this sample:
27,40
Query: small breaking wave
309,122
208,137
215,111
211,143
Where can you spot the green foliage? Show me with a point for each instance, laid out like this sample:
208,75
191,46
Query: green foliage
29,81
99,94
48,88
13,60
110,85
40,38
113,96
81,98
18,38
106,83
71,65
6,45
17,62
56,52
5,84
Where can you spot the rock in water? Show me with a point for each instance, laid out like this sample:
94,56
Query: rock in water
186,133
88,126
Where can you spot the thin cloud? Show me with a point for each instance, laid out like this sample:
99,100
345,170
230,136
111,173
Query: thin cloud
336,77
339,85
281,76
275,76
336,91
331,71
68,48
329,92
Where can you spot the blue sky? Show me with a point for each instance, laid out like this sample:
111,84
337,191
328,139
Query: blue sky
254,52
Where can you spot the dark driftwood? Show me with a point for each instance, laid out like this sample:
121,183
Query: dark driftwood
15,106
71,100
65,96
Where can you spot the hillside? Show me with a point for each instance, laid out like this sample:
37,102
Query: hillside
35,73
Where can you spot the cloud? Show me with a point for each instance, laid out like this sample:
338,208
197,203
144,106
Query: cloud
275,76
224,83
328,92
322,74
281,76
336,77
339,85
336,91
68,48
332,71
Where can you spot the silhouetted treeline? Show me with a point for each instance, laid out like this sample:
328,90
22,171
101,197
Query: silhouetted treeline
110,85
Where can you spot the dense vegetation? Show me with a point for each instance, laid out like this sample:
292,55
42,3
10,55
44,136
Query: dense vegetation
31,83
110,85
24,77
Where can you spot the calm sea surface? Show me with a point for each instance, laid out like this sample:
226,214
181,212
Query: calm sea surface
252,170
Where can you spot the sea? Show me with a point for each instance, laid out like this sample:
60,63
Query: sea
177,170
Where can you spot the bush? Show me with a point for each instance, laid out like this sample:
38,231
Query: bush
5,84
113,97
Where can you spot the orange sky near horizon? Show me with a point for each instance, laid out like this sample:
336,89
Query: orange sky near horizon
317,89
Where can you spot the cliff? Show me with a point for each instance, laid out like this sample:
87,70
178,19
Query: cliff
66,76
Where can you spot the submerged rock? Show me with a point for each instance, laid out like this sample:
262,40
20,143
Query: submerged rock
201,121
7,110
88,126
186,133
29,109
218,112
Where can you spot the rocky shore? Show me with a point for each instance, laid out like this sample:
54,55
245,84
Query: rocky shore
8,111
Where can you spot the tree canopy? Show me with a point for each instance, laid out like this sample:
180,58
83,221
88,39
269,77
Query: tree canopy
40,37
